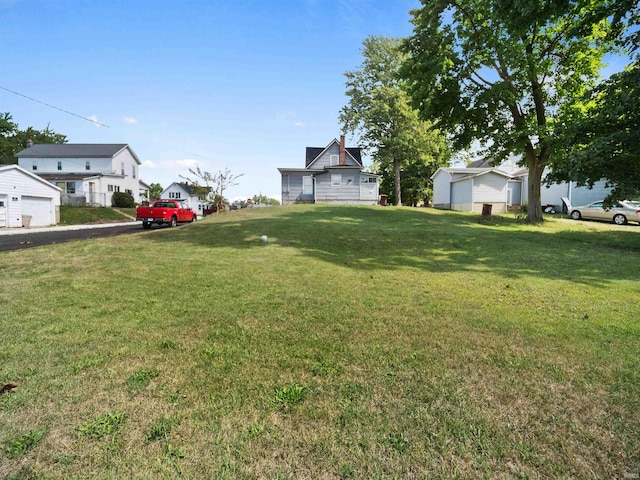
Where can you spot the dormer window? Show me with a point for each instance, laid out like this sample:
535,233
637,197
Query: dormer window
34,166
87,165
59,165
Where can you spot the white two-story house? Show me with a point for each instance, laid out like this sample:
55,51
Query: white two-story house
87,174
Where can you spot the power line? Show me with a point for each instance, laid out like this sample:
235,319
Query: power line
56,108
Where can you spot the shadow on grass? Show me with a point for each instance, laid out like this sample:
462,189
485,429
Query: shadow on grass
369,238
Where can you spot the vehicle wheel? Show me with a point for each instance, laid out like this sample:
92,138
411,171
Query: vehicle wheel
619,219
195,218
173,222
576,215
146,225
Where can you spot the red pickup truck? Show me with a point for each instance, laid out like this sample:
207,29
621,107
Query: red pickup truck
169,212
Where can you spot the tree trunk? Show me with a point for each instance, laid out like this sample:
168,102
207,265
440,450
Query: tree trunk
534,207
396,181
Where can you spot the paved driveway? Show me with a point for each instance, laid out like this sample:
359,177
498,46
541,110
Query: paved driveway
17,238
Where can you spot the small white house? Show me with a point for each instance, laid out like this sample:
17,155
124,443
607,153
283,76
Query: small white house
182,191
27,199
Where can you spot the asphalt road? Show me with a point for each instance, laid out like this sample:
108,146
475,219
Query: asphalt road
50,236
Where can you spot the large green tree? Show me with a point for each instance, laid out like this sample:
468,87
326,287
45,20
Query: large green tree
13,140
379,112
497,72
600,137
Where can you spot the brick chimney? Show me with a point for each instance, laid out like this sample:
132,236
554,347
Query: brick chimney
343,151
29,143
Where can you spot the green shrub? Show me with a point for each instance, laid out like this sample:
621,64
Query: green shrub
123,200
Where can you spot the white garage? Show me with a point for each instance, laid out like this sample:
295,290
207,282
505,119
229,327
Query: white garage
27,199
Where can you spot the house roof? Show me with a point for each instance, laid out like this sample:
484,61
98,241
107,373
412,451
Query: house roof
314,152
75,150
6,168
484,171
482,163
184,186
76,176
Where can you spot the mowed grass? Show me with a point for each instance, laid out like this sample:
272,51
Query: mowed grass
357,342
79,215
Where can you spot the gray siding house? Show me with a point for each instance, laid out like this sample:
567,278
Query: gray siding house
333,174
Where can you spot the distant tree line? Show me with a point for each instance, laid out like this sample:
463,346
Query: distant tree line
13,139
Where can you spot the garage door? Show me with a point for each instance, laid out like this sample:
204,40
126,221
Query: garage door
40,210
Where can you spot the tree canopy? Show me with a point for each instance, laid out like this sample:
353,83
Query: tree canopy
13,140
498,71
599,138
379,111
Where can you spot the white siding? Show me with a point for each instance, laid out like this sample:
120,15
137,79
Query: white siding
442,189
490,188
69,165
26,194
461,195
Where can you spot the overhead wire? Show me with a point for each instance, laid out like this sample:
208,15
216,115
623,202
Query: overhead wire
54,107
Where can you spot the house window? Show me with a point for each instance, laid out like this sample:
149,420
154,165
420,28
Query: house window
133,171
59,165
71,187
34,166
87,165
333,159
122,168
307,185
130,192
174,194
109,188
116,188
336,179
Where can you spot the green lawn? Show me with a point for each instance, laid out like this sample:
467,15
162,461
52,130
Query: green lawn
357,342
80,215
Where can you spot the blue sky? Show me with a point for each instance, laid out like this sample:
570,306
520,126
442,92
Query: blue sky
238,84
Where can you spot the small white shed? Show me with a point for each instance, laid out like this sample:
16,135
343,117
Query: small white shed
27,199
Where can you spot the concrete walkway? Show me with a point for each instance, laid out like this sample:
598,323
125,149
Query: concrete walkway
62,228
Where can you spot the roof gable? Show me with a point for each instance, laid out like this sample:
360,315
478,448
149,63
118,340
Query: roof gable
6,168
313,153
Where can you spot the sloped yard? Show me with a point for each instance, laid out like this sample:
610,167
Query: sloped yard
357,342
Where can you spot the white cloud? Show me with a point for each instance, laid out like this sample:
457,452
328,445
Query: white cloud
300,124
187,163
148,163
130,120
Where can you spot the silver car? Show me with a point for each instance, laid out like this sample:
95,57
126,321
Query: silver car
621,212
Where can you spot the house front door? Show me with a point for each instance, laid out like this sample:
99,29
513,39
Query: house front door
92,186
